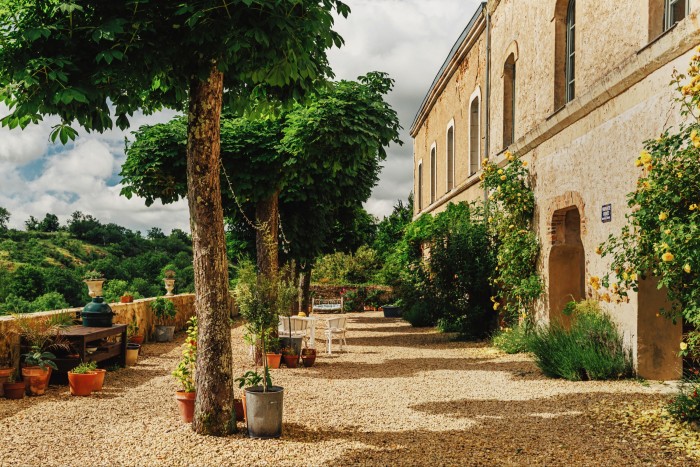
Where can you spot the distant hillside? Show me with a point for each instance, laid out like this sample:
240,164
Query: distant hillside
44,270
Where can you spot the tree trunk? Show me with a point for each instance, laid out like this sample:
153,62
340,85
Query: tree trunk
305,286
266,243
214,414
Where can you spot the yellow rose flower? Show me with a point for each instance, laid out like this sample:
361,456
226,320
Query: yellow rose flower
605,297
500,171
633,276
637,163
503,177
667,231
649,167
695,138
524,163
496,305
663,216
679,175
668,256
645,157
686,268
693,207
598,251
684,346
485,161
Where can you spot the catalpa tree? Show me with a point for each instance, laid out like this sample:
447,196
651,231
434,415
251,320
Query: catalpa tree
93,64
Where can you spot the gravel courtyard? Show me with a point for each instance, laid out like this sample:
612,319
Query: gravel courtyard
396,396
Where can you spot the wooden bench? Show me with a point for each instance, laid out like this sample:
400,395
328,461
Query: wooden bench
327,305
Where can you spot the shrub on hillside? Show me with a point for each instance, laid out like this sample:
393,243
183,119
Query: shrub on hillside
592,349
511,340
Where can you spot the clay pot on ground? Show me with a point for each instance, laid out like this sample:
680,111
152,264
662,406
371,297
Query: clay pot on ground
81,384
291,360
185,403
274,360
4,376
99,379
36,379
238,408
14,390
132,353
308,357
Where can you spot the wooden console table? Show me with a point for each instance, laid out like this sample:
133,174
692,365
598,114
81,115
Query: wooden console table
80,337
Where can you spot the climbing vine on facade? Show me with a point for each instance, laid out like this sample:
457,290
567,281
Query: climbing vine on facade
662,235
511,207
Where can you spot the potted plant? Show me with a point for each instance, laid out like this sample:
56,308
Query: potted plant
12,388
94,281
127,297
249,379
100,374
132,332
273,355
393,310
290,357
81,379
260,300
185,373
164,311
37,370
169,280
308,357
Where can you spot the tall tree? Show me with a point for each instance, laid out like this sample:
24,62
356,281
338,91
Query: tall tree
4,218
95,63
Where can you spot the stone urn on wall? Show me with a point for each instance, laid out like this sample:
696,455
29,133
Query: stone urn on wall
94,281
169,282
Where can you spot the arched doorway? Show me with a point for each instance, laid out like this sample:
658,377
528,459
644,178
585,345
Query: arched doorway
567,263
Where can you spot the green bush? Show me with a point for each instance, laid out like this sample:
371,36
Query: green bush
591,349
511,340
685,406
420,315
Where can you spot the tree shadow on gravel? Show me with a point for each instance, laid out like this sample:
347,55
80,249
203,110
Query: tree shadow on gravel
407,367
516,436
408,337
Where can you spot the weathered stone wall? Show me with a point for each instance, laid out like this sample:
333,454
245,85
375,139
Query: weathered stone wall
125,312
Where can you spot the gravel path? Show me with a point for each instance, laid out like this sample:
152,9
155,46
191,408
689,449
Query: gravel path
397,396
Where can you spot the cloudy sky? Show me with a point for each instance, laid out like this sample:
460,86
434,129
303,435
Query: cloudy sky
408,39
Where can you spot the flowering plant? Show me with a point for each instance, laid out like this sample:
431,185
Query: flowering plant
661,238
185,371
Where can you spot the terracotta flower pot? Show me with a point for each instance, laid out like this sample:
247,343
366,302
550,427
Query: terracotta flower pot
274,360
14,390
185,403
240,411
81,384
126,298
137,340
291,360
36,379
308,357
4,376
99,379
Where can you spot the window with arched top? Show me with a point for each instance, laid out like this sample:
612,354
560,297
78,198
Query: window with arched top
433,173
474,137
419,187
571,51
509,101
450,156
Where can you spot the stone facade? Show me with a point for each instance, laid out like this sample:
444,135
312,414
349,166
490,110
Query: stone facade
581,153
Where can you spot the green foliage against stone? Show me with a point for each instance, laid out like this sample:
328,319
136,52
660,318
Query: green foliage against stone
512,340
516,281
164,311
685,405
186,368
592,349
662,235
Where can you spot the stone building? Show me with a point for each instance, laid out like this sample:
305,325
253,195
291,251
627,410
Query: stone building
574,87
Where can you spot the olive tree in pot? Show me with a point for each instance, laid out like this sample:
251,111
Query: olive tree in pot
185,373
164,311
260,298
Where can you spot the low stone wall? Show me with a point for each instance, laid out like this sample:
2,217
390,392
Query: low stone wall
125,312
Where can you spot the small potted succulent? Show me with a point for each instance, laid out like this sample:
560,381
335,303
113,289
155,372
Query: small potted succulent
165,312
12,388
81,379
36,372
169,280
185,373
94,281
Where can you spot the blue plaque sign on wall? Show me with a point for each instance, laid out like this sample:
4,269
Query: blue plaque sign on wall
606,213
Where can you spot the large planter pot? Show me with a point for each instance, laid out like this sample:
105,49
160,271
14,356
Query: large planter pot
14,390
164,333
294,342
274,360
132,354
169,286
392,311
81,384
99,379
264,411
185,404
292,361
95,287
36,379
4,376
308,357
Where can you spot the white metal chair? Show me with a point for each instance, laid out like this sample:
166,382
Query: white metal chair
299,327
335,328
